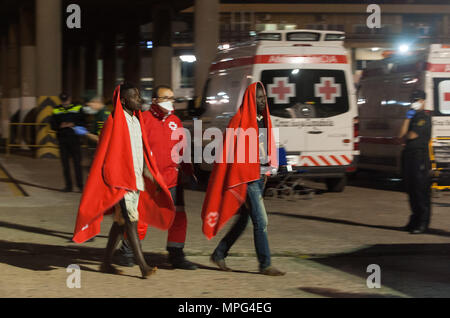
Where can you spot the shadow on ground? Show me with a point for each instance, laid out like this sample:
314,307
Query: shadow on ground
334,293
416,270
430,231
43,257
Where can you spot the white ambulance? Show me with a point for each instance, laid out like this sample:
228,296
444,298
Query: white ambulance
383,99
308,79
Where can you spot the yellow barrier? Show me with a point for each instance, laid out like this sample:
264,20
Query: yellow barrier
434,168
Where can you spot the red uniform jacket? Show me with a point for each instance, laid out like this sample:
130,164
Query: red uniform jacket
227,188
112,175
159,129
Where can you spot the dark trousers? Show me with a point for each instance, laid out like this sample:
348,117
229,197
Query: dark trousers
417,178
70,147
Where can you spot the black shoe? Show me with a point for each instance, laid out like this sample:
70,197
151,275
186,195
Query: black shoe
126,261
178,259
419,230
184,264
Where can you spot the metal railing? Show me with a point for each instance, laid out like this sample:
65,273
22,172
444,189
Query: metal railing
20,136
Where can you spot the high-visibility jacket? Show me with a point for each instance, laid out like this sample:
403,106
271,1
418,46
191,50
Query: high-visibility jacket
71,114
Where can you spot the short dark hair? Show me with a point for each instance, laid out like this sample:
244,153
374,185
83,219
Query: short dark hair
418,94
157,88
126,86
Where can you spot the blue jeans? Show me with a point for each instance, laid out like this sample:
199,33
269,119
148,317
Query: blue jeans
257,212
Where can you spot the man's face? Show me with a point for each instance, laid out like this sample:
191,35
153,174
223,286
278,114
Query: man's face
132,99
418,104
164,95
260,99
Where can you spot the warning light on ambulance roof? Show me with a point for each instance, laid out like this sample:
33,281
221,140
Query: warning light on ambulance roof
403,48
225,46
188,58
296,71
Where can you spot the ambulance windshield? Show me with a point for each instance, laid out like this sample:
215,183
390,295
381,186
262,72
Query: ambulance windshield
306,93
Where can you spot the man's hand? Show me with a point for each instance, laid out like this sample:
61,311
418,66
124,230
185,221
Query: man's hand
148,174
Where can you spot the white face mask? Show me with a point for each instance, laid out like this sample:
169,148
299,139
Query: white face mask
167,105
416,105
90,111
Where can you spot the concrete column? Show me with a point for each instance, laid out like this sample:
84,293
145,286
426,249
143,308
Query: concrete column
49,70
162,46
206,27
13,82
109,65
78,73
4,118
27,63
91,57
132,56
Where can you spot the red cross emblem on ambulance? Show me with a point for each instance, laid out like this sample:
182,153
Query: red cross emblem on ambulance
444,94
281,90
327,90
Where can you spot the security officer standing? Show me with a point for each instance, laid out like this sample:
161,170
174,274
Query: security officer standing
416,130
68,122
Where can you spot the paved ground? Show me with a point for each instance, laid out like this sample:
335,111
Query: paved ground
324,244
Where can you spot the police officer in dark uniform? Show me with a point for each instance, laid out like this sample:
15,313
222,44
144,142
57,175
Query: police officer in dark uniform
416,163
67,120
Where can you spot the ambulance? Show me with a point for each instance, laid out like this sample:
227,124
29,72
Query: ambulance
308,79
383,100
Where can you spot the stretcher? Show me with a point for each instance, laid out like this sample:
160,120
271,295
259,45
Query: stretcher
439,150
288,182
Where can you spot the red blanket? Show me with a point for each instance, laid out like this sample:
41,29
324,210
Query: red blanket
227,188
112,175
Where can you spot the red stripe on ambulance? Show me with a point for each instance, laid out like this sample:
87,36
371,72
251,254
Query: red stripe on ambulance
279,59
440,68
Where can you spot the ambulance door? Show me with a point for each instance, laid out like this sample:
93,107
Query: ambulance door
312,107
287,114
441,120
329,127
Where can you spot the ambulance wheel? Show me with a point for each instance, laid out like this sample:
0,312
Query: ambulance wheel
336,184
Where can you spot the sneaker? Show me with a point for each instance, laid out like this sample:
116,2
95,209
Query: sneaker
271,271
220,263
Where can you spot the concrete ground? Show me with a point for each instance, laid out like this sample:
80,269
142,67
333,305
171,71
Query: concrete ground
325,244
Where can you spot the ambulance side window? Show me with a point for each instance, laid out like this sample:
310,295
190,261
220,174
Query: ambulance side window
222,92
306,93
